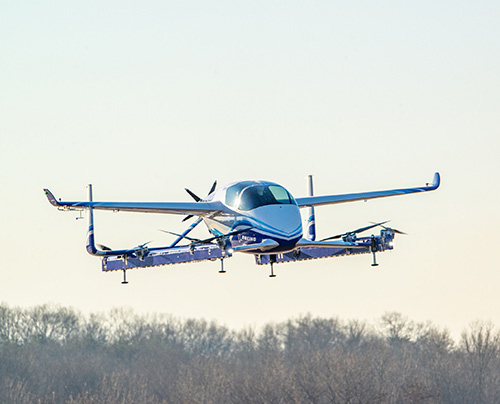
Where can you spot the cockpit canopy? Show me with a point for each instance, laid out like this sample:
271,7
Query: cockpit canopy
248,195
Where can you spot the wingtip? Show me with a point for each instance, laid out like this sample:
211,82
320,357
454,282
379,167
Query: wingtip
51,197
436,181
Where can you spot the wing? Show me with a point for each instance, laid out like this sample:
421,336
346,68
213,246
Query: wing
177,208
333,199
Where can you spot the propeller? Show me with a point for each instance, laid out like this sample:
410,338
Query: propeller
360,230
394,230
210,239
141,251
106,248
144,244
197,198
222,236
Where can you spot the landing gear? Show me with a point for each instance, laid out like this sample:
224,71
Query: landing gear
272,260
222,266
124,282
373,249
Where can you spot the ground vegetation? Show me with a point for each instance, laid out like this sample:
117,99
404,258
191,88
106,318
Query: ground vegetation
56,355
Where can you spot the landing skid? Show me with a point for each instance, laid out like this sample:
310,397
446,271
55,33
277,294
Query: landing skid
222,271
124,282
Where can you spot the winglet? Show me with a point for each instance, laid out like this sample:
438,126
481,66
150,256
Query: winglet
50,196
436,181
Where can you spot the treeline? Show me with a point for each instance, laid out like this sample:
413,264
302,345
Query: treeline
56,355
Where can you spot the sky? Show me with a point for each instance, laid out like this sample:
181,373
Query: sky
143,99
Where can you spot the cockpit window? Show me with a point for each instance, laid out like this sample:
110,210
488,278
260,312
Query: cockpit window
233,193
249,195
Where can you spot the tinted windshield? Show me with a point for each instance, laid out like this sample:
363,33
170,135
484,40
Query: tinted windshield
250,195
233,193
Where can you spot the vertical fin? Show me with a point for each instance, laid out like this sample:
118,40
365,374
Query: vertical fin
91,249
311,223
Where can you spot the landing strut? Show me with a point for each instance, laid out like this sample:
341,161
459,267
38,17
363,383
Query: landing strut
272,260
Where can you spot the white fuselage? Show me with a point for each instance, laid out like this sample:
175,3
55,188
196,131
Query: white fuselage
276,220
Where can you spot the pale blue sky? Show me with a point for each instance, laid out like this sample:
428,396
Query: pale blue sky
144,99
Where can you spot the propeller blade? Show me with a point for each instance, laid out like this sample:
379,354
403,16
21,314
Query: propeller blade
214,185
180,235
360,230
333,237
394,230
145,244
197,198
369,227
193,195
231,233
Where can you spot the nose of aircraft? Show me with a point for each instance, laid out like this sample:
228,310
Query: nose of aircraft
282,220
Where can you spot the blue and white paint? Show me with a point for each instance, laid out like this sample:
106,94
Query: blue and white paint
311,219
254,217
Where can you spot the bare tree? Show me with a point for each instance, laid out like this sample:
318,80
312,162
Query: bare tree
54,355
481,345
